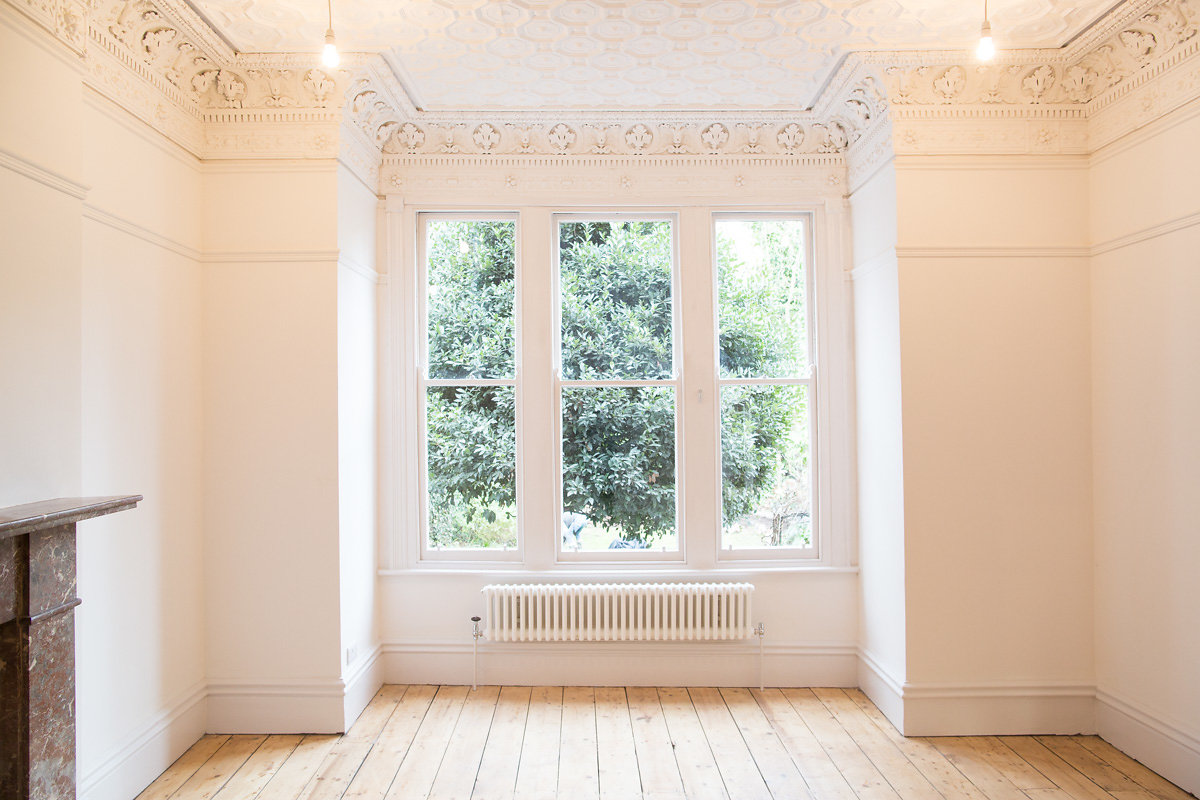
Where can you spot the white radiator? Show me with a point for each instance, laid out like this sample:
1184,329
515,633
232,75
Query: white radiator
617,612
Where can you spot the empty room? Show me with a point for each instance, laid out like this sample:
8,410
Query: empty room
599,398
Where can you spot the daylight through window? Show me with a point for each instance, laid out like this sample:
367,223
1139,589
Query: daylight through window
470,383
766,384
602,395
617,367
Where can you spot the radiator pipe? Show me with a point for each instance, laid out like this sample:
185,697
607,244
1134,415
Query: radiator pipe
760,631
475,634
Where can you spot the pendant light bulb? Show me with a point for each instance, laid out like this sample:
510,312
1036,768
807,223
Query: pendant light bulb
986,48
329,55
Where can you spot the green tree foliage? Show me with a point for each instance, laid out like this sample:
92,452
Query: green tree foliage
617,321
618,443
471,295
471,430
471,451
763,334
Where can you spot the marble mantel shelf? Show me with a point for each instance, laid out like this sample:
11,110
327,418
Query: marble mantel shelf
16,520
37,643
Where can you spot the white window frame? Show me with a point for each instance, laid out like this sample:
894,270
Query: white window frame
537,554
773,554
675,382
424,383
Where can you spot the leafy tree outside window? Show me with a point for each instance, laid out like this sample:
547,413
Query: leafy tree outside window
766,386
618,389
470,385
618,383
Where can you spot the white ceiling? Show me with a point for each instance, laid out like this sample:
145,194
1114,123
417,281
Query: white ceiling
714,55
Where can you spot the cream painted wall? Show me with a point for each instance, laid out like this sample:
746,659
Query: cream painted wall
997,452
55,97
140,632
40,299
100,344
358,437
271,448
880,444
40,202
1146,438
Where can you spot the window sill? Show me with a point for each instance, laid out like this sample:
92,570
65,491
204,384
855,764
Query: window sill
616,571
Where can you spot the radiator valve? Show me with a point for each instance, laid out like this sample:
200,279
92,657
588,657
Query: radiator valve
476,631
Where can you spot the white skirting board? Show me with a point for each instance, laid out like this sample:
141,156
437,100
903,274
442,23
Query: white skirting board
622,664
363,680
276,706
294,706
1161,746
131,767
882,688
998,710
979,709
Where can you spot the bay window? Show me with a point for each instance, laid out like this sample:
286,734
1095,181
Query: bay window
615,389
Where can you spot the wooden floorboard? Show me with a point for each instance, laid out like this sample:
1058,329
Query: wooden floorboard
460,767
824,779
642,743
259,768
739,771
414,779
862,775
374,778
537,774
657,765
578,755
298,770
904,778
943,776
619,766
497,776
697,765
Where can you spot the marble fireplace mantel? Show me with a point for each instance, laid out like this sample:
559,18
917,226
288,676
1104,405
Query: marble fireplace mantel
37,643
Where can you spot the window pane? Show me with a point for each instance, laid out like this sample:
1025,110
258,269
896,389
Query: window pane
471,465
763,298
615,279
766,487
618,468
470,297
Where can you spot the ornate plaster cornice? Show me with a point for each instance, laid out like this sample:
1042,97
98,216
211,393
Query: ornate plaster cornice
163,62
1119,48
497,136
841,119
1031,102
462,178
175,49
65,20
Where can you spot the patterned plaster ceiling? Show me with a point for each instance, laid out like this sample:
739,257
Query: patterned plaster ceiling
455,55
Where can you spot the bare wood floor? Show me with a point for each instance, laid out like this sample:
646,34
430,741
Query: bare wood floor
577,743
